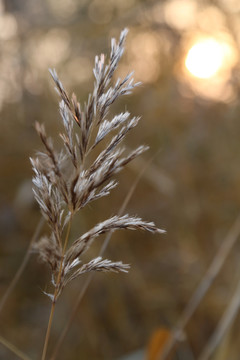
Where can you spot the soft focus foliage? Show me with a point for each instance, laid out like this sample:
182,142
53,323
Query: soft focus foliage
192,187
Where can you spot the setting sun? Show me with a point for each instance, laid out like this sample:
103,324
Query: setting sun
205,58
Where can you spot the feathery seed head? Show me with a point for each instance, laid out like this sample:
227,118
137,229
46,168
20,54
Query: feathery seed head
65,181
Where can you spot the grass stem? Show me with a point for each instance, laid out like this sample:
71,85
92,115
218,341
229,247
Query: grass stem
223,326
56,292
22,266
13,349
203,287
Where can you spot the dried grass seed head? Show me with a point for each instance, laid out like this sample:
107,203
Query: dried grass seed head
63,190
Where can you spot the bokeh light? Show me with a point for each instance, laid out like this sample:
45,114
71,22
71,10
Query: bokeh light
205,58
181,14
208,64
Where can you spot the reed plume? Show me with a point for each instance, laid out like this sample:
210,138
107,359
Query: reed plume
66,180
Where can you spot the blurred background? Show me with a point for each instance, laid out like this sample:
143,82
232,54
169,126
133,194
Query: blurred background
186,54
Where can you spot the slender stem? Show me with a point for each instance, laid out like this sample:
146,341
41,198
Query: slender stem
56,292
223,326
13,349
67,237
48,329
72,315
22,266
202,288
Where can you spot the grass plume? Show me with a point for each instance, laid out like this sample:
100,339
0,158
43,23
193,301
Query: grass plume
67,180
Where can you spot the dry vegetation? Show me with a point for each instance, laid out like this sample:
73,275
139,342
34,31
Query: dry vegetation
66,180
180,299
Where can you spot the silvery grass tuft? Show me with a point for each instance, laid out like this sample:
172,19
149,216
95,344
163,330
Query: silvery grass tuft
65,181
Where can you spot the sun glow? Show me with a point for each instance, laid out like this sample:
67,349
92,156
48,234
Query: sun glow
205,58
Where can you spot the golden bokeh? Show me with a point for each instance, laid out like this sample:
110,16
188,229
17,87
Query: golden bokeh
208,65
205,58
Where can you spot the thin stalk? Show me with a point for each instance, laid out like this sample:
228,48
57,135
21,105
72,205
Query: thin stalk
56,292
22,266
203,287
91,274
13,349
224,324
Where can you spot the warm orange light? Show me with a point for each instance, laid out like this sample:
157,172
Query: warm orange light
205,58
208,65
